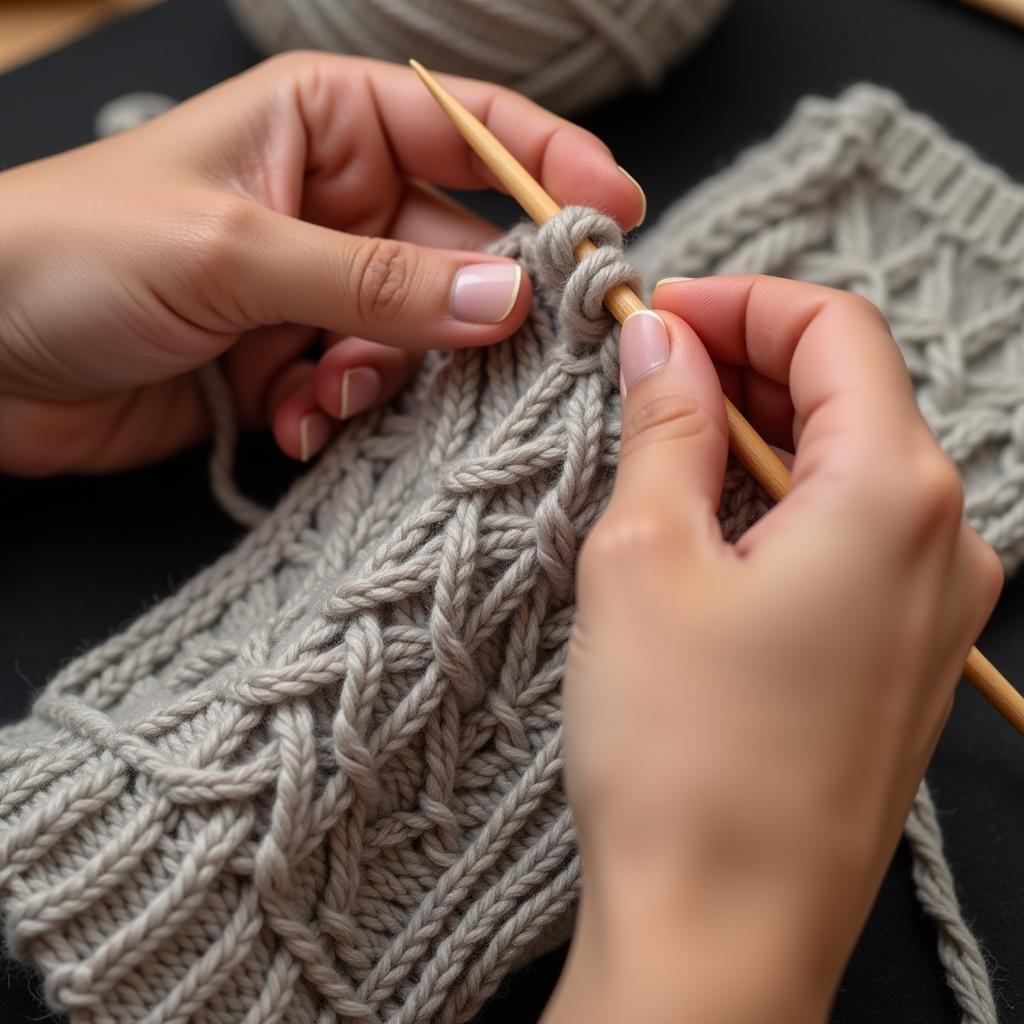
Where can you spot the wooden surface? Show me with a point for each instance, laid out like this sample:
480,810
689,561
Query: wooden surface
1011,10
29,28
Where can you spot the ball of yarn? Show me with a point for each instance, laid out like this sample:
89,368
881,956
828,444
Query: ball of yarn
566,54
123,113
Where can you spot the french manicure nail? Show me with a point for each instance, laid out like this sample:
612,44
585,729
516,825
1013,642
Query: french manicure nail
643,195
360,388
484,293
314,430
672,280
643,345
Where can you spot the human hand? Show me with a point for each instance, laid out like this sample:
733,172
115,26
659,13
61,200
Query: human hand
746,726
292,199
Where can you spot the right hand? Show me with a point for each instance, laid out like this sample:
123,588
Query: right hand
746,725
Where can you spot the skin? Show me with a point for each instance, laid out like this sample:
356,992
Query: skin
745,725
290,206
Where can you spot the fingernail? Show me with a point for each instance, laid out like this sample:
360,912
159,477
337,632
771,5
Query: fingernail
484,293
643,195
672,280
643,345
360,388
314,430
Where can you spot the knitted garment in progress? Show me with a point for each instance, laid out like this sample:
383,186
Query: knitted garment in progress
321,782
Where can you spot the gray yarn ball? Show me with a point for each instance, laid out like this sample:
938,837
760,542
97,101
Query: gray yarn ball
129,111
566,54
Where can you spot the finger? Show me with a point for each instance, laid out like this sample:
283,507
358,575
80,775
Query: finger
355,375
731,379
785,455
255,364
271,268
426,216
674,437
769,406
766,404
367,118
300,427
835,354
980,575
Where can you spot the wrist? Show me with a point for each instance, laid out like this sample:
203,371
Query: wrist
746,904
690,946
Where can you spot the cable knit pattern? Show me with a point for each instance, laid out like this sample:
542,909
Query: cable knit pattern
864,195
321,782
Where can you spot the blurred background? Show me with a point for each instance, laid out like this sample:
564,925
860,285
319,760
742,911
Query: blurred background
31,27
84,556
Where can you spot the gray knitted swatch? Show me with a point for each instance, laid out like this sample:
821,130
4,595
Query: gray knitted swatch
321,782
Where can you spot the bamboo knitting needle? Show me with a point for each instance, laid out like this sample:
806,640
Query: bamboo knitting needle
748,446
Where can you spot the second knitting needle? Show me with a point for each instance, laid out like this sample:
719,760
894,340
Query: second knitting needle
747,445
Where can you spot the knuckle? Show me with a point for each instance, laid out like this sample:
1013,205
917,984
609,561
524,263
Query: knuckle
666,416
866,308
290,62
221,232
288,59
381,274
939,490
627,540
990,573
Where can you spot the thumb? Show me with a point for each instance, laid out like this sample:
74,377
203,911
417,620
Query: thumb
382,289
674,431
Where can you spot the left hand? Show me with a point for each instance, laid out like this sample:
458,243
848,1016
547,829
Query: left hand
294,199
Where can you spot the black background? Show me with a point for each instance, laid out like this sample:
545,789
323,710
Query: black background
79,558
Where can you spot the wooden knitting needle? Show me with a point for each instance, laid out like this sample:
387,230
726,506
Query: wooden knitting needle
748,446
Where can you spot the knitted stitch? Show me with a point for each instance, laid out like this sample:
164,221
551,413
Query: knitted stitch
322,780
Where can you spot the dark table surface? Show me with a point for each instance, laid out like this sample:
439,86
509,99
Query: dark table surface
80,557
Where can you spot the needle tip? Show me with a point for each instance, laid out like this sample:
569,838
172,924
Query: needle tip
434,87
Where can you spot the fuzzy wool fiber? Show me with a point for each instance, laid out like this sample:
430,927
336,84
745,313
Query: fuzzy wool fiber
322,781
566,54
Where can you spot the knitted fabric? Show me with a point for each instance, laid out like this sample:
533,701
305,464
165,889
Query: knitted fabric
566,54
321,782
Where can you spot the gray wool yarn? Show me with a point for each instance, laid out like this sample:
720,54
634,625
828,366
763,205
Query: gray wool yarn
321,782
566,54
123,113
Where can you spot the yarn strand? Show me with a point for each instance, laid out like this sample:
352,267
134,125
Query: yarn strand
322,781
